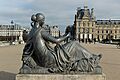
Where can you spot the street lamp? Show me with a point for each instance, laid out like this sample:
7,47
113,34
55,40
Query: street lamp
109,35
12,27
15,32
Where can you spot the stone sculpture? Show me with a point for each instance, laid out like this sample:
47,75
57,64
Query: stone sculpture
40,57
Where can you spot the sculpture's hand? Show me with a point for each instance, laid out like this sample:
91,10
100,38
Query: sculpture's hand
68,35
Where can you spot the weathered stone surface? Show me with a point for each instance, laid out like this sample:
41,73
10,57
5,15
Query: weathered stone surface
60,77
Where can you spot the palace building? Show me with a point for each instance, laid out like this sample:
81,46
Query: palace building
11,32
87,28
54,31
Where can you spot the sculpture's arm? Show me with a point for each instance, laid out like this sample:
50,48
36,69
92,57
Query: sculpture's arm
50,38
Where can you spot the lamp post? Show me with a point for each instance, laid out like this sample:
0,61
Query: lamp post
109,35
12,27
15,32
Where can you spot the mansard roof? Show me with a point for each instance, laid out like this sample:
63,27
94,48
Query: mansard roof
108,22
10,27
80,13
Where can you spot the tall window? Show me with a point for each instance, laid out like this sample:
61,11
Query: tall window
106,31
92,36
92,24
111,31
92,30
78,23
102,37
83,30
102,31
115,31
115,36
98,37
78,29
87,30
98,31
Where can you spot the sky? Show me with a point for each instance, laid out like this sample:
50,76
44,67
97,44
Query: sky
57,12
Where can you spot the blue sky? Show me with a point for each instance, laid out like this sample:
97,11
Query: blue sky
57,12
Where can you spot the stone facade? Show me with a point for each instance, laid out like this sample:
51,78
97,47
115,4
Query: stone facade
107,29
88,28
11,32
54,31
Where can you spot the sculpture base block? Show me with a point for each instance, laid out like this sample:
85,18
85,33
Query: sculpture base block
60,77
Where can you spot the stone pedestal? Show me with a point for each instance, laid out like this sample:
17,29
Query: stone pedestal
60,77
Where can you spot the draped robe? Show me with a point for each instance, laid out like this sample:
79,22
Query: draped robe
60,56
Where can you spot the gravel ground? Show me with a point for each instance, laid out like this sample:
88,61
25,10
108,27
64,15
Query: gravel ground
10,60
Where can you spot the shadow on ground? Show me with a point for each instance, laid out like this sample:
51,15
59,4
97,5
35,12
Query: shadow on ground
7,76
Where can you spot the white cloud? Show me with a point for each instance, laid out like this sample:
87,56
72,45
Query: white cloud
59,12
29,1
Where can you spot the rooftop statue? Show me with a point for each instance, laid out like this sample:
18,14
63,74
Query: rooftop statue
40,57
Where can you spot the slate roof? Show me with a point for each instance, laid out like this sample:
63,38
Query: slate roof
108,22
80,13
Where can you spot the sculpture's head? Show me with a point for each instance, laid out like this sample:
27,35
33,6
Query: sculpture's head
39,17
33,18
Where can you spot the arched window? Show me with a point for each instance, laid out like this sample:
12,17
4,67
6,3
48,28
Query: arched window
115,31
98,31
106,31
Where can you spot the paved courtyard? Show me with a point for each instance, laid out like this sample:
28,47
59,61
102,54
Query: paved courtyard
10,60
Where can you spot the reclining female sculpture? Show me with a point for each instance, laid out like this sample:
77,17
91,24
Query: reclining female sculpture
40,57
